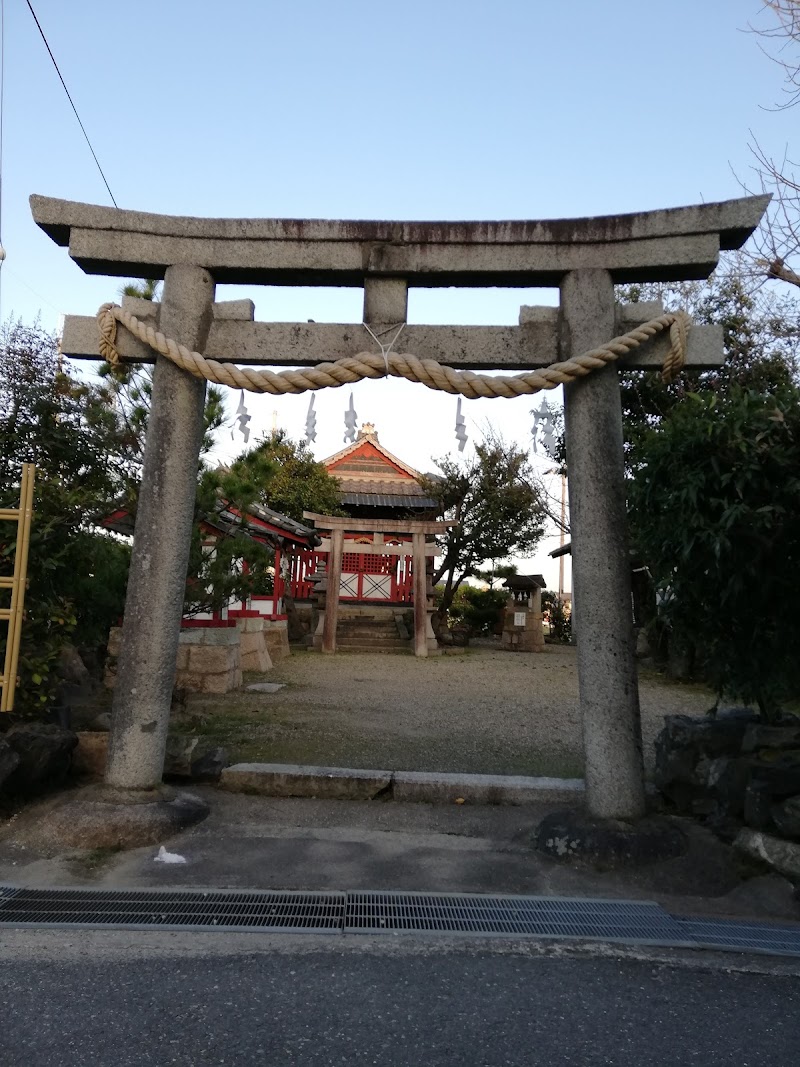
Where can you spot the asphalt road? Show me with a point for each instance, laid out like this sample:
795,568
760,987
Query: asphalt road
322,1004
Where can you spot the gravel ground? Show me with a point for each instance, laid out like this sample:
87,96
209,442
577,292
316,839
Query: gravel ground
485,711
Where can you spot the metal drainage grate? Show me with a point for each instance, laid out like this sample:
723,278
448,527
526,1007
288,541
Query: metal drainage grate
533,916
632,922
294,911
743,936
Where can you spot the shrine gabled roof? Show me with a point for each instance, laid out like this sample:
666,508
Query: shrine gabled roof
370,450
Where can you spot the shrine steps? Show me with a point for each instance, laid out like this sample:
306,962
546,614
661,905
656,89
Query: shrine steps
364,633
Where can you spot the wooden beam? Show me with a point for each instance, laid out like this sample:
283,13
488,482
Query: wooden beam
396,526
380,549
334,575
420,582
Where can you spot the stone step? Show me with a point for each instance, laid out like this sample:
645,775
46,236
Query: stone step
286,780
368,631
372,642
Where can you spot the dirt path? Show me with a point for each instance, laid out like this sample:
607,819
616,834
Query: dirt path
486,711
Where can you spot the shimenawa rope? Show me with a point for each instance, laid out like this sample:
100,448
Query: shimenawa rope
429,372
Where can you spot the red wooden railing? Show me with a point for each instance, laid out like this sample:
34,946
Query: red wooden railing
365,566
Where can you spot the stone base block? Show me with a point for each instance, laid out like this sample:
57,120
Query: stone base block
98,817
199,682
276,634
253,646
324,783
574,836
525,638
208,659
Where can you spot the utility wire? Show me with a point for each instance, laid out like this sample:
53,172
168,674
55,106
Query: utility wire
66,90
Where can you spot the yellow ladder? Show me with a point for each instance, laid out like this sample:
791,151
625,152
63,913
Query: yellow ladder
16,583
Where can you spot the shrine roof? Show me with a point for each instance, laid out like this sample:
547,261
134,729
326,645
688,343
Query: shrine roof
372,476
389,500
366,456
525,581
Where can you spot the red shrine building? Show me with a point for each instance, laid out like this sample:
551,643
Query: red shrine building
368,557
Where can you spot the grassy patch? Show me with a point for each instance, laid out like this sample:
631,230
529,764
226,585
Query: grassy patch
94,859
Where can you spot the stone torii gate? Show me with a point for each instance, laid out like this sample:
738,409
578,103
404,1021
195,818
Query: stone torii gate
584,257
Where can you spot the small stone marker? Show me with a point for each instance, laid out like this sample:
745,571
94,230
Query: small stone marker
265,687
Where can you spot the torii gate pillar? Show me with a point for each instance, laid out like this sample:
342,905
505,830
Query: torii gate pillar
601,579
164,518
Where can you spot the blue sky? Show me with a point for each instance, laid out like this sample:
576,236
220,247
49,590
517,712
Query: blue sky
382,110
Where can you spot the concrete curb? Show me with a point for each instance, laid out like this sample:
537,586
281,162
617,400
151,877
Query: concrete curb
345,783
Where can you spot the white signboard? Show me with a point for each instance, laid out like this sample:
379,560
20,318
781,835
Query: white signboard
519,618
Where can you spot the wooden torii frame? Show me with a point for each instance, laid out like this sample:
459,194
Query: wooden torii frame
335,526
584,257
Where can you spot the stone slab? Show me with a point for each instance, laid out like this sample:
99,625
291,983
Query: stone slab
288,780
677,243
440,788
273,779
265,687
520,348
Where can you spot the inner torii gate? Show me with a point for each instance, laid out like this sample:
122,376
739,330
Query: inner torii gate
584,257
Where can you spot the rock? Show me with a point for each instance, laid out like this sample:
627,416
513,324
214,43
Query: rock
727,782
642,645
687,753
782,856
45,754
91,755
188,758
684,741
101,721
781,775
737,712
770,895
761,735
209,766
786,817
71,668
265,687
9,761
575,836
180,751
757,805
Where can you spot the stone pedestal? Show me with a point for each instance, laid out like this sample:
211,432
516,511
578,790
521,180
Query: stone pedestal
208,659
276,636
522,629
253,645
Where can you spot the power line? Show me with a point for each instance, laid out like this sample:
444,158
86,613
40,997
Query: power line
66,90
